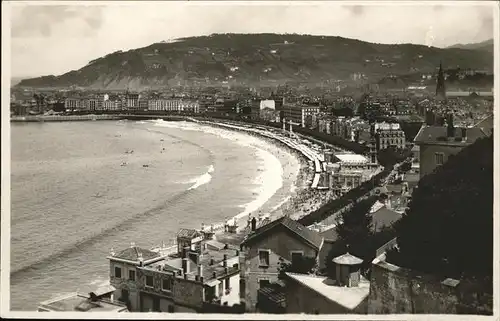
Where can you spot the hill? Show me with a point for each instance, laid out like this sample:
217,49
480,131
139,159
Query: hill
264,59
484,45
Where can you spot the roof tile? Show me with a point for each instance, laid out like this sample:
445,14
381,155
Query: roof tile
306,234
132,254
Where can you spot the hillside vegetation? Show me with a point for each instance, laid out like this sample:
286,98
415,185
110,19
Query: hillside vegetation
484,45
448,228
265,59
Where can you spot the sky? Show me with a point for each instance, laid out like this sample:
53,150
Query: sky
55,39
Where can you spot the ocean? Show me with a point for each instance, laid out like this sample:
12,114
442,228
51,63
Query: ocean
80,189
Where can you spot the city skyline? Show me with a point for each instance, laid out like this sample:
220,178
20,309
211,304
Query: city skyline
52,40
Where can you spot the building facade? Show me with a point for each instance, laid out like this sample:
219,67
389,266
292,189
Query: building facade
173,105
300,114
389,135
75,104
132,100
188,278
438,143
265,248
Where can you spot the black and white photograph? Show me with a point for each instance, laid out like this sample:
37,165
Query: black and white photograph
287,160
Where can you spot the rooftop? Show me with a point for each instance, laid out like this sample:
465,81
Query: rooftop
351,158
210,259
309,236
134,253
348,297
384,217
347,259
387,126
438,135
81,303
188,233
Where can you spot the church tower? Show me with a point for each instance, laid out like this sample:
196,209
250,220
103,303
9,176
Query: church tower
440,88
373,144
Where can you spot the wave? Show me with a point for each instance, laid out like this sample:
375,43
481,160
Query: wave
18,274
203,179
270,179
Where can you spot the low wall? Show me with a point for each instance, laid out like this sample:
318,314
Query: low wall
394,289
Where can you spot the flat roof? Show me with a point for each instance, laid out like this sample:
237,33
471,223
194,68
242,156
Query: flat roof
351,158
349,298
81,303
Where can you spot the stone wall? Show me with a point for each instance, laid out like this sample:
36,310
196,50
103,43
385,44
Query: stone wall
188,293
399,290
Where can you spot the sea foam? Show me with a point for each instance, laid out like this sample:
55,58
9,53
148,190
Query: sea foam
270,179
202,179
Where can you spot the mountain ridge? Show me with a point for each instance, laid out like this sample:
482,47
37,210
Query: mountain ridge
258,59
486,45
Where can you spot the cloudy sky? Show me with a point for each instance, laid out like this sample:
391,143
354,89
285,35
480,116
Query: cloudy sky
54,39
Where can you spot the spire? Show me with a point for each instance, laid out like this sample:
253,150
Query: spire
440,88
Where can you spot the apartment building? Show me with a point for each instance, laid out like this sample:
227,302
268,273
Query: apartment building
199,274
299,114
438,143
173,105
389,134
266,247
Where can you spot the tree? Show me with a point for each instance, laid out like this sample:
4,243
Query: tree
355,224
405,167
390,156
448,227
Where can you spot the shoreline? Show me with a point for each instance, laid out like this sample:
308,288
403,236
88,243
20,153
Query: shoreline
301,199
60,118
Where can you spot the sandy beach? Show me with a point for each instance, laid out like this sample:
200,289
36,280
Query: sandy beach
301,201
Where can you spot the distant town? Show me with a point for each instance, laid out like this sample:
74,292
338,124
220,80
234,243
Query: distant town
368,147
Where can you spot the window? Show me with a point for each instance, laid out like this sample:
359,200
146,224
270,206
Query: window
227,285
263,283
264,258
166,285
296,256
439,158
118,272
149,281
131,275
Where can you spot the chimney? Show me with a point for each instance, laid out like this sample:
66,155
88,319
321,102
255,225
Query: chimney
214,275
185,251
224,263
464,134
428,118
254,224
200,270
450,127
185,265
